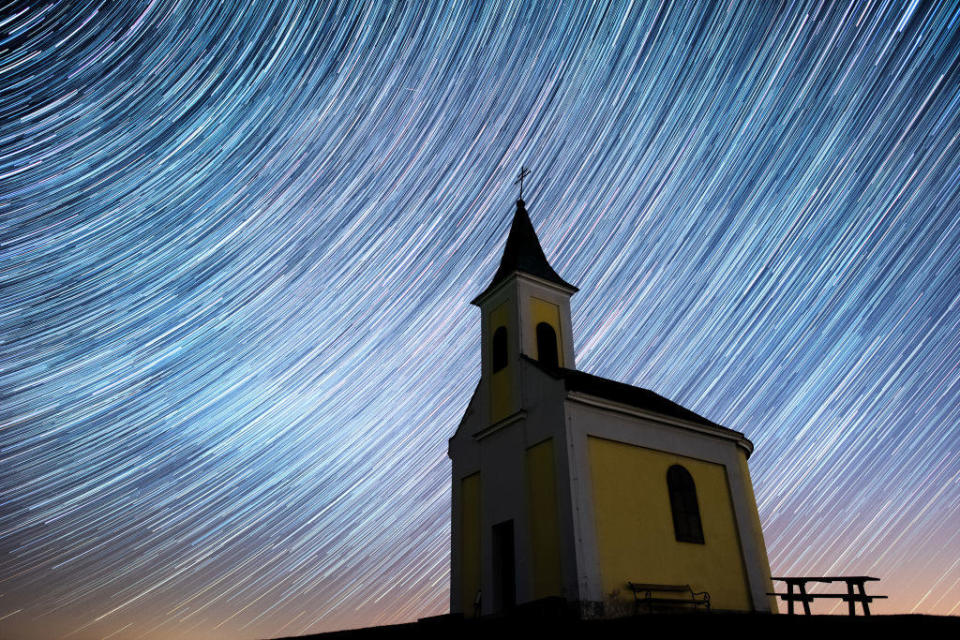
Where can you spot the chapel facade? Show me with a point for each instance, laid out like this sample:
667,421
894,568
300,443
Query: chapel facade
568,485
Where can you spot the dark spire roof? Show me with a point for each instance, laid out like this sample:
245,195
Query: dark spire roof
524,253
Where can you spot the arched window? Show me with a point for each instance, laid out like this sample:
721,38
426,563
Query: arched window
499,348
683,503
547,345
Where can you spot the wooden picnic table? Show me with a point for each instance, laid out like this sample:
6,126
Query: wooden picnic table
801,595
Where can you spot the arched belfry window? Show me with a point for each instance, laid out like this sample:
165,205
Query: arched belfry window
683,503
499,348
547,345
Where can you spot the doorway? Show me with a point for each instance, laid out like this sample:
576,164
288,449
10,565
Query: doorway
504,567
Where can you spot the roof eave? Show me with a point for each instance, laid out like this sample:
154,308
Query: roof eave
567,288
718,431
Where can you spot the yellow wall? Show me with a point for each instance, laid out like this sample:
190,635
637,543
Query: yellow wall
543,311
501,382
544,532
635,535
757,532
469,542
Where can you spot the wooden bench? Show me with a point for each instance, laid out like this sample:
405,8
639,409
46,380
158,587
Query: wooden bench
696,598
804,598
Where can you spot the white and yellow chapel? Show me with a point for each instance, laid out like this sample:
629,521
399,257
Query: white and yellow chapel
571,486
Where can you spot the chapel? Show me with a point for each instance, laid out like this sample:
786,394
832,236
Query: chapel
569,487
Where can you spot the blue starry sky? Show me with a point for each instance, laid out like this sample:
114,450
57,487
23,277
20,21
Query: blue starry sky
238,242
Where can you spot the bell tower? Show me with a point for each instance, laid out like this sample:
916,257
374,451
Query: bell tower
525,311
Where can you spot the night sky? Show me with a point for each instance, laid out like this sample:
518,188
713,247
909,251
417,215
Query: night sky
238,244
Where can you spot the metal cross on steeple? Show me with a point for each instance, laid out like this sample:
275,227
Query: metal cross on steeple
524,172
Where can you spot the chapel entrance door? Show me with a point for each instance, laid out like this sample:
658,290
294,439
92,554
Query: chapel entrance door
504,567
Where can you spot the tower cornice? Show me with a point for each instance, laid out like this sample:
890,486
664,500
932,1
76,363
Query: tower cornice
521,275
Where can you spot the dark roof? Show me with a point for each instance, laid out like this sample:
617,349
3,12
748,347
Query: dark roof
626,394
631,395
524,253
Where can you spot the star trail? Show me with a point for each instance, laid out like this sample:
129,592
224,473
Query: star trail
238,244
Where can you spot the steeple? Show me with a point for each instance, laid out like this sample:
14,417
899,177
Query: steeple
525,312
523,253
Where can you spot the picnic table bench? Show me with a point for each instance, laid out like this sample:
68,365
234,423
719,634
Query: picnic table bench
801,595
696,598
